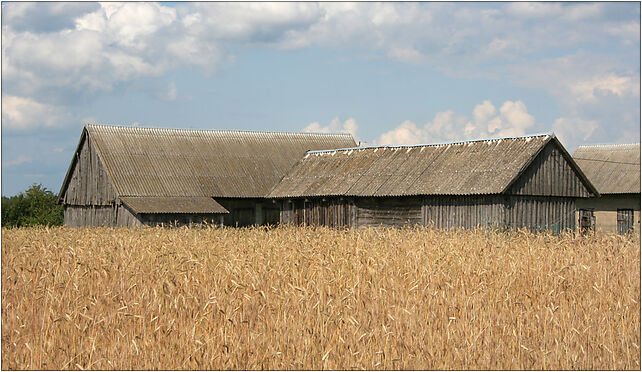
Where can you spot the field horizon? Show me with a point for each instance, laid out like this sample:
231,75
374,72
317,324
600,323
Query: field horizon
318,298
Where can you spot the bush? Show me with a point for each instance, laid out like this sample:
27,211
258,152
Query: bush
36,206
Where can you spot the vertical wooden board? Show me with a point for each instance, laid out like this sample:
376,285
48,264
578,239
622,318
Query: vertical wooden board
93,176
85,174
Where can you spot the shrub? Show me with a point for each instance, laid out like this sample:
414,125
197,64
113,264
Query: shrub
36,206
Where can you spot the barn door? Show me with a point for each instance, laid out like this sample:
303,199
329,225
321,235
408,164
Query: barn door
624,221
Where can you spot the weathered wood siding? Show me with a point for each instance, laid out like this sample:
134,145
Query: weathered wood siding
346,212
125,217
79,216
89,183
464,211
121,216
514,211
332,212
91,215
537,213
392,211
105,215
550,175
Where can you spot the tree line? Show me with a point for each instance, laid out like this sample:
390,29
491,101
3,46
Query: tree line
33,207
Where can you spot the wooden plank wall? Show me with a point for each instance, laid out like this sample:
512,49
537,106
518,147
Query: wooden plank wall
80,216
533,212
89,184
90,215
331,212
464,211
125,217
538,213
394,212
550,174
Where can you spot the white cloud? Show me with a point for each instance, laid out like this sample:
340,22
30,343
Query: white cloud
119,42
261,22
20,113
40,17
97,46
534,9
335,126
573,132
53,53
512,119
588,89
484,116
405,54
515,119
131,24
21,159
592,91
406,133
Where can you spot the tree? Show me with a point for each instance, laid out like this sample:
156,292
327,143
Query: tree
36,206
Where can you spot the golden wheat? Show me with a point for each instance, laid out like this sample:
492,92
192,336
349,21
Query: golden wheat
317,298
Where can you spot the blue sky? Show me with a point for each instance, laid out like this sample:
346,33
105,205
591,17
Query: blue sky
389,73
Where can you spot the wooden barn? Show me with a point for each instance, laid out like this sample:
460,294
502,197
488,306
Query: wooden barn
129,176
615,171
525,181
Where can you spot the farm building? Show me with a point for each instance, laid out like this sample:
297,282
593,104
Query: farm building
615,171
128,176
524,181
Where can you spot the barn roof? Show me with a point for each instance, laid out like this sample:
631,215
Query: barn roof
164,204
613,169
460,168
151,162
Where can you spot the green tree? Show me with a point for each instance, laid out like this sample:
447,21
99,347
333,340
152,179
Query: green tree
36,206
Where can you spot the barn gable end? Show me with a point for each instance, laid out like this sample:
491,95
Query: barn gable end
552,173
87,182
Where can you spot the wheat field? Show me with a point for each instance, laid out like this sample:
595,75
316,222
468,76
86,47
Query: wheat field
317,298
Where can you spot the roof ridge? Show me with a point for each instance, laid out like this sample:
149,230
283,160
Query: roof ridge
611,145
210,130
550,134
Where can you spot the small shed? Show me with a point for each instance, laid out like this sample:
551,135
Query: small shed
131,176
615,171
528,181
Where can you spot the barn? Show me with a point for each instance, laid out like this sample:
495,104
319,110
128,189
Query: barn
528,181
130,176
615,171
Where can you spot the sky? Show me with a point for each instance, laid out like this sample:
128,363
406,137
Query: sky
388,73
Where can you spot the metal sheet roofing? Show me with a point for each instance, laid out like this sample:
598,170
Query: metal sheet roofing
613,169
463,168
210,163
194,204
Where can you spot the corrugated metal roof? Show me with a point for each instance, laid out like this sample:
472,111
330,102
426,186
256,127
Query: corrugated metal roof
462,168
211,163
187,204
613,169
